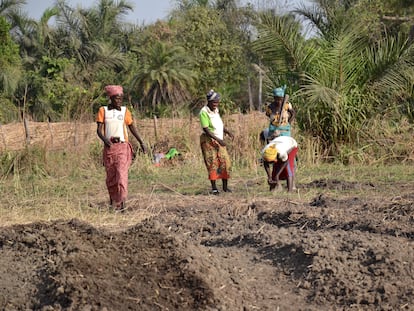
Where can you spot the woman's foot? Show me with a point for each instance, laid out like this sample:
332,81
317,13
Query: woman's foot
215,192
275,187
120,206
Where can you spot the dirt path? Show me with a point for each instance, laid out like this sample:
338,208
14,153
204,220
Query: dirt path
222,253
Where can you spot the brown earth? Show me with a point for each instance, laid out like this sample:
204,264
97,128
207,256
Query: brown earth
334,252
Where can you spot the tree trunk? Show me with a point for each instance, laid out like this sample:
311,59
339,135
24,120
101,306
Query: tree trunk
249,86
260,90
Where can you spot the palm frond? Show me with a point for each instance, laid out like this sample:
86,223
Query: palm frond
391,67
280,43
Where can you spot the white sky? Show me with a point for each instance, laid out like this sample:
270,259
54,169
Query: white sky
145,11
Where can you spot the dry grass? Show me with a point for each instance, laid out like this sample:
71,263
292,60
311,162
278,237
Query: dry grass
81,193
41,183
383,142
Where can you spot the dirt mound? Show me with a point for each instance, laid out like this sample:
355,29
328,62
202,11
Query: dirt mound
72,266
222,253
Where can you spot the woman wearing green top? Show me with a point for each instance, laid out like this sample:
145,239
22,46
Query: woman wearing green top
213,147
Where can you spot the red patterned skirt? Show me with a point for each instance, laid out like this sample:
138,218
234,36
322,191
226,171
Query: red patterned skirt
117,160
216,158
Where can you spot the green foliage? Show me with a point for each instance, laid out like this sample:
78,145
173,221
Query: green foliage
160,111
284,54
57,94
280,44
358,66
30,161
336,105
54,67
9,60
165,76
8,111
203,33
345,76
390,64
227,105
390,17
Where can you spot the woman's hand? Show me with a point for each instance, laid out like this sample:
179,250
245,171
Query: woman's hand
230,134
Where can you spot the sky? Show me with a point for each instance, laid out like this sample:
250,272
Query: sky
145,11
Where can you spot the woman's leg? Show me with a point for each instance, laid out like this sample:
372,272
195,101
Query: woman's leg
225,186
214,187
289,181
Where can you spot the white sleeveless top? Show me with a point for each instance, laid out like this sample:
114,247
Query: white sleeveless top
115,123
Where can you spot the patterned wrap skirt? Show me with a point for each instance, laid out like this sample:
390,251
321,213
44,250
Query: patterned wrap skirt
117,160
290,168
216,158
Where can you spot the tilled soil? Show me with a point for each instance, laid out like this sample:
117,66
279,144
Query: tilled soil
223,253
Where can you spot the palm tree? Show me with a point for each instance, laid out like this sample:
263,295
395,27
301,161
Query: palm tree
344,73
184,5
104,21
390,65
91,36
284,55
165,76
336,101
35,38
9,7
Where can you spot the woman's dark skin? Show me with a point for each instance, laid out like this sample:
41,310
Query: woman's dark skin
276,182
116,102
213,105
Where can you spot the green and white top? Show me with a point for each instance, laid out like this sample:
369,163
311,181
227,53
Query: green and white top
212,120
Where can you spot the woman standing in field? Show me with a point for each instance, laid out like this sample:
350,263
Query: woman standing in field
280,113
212,143
113,121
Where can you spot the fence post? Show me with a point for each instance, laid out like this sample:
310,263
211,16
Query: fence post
3,138
155,128
26,129
50,132
75,137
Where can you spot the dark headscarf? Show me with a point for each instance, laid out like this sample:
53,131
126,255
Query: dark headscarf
213,96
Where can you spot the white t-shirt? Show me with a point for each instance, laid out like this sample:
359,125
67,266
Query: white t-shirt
211,119
284,145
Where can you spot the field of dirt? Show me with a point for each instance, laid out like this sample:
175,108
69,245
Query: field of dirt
227,252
